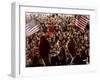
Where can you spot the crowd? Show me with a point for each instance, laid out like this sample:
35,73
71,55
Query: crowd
68,44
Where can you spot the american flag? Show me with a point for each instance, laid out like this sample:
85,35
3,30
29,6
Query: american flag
31,30
81,21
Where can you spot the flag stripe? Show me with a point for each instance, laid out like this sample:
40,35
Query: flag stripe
33,29
29,31
82,22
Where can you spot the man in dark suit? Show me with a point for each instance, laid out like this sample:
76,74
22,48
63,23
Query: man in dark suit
44,49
